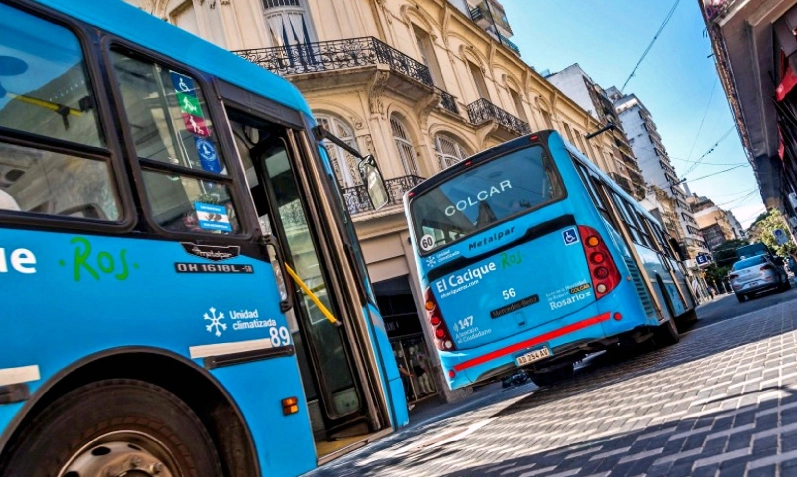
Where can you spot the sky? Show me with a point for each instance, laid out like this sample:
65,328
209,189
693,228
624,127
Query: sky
677,81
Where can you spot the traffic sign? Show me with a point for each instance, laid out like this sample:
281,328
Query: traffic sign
780,236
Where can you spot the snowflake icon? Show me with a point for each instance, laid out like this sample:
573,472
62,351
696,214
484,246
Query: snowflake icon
430,261
215,321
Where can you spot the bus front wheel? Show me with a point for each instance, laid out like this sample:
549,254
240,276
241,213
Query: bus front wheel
114,427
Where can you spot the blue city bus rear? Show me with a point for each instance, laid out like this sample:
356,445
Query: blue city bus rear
120,299
523,289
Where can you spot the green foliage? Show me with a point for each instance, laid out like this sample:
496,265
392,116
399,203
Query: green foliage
763,227
717,274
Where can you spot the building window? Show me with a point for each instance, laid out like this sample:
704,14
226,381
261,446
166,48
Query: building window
280,3
449,151
288,23
546,117
428,57
478,78
405,148
521,112
343,164
184,17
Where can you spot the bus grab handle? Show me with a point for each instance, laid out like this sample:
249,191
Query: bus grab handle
312,296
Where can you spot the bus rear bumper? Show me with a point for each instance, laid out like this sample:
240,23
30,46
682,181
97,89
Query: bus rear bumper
585,331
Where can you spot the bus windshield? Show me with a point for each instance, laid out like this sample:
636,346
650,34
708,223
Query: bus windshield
487,194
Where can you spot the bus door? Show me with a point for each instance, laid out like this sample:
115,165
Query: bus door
334,392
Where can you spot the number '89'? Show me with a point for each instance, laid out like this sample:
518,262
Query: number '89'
280,336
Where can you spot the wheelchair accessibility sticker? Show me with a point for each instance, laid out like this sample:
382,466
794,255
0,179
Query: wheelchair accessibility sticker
570,236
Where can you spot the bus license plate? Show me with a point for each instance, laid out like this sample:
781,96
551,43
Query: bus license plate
533,356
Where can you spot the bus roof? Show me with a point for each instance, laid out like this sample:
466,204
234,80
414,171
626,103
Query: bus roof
131,23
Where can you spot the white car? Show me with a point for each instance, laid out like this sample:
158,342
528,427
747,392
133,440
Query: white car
757,274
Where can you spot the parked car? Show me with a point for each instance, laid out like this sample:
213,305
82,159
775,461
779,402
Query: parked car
757,274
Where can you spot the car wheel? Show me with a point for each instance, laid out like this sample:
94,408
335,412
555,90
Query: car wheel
741,297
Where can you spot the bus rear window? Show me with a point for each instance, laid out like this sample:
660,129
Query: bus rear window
480,197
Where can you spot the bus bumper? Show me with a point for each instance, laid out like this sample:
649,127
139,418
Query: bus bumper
588,326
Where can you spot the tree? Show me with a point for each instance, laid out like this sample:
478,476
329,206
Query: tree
763,229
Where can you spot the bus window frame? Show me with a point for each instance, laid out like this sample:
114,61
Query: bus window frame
112,154
242,203
475,163
589,180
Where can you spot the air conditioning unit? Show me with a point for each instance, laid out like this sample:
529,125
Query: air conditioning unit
793,200
793,222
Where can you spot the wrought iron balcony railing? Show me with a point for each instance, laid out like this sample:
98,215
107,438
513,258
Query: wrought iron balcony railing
357,201
448,102
336,55
482,110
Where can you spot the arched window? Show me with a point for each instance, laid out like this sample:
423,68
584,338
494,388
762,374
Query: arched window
449,151
405,148
343,164
288,22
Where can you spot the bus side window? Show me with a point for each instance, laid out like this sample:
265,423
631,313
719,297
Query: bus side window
46,97
185,175
593,193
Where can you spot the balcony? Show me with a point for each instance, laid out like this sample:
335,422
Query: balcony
623,183
485,15
509,44
349,62
358,202
482,111
448,102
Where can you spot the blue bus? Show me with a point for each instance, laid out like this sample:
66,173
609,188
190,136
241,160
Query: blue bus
183,290
531,257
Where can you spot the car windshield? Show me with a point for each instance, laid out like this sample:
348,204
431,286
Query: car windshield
749,262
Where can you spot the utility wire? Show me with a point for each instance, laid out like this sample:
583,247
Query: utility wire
714,174
705,113
655,37
710,150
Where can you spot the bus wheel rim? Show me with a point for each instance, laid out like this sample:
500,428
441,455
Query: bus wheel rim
122,453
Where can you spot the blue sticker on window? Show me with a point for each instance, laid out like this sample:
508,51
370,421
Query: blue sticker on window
207,154
212,217
570,236
183,84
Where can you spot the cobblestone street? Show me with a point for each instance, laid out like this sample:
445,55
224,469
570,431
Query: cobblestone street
720,402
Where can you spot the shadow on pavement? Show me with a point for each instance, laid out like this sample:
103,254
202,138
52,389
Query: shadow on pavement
729,441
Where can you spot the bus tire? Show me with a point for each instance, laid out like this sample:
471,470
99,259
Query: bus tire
666,334
101,428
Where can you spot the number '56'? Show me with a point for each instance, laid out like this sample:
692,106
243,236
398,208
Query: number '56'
509,293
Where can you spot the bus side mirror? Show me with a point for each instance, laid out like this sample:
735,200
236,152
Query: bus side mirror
374,184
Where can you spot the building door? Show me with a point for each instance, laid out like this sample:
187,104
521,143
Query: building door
403,327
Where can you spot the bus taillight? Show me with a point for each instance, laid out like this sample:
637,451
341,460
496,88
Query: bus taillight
443,340
602,269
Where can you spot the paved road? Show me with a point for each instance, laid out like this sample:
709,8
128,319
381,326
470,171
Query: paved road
721,402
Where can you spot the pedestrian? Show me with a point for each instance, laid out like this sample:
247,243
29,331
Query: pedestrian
405,379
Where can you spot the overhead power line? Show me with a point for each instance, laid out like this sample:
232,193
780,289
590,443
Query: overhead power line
714,174
655,37
710,150
705,113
